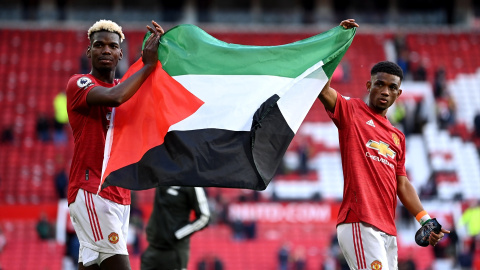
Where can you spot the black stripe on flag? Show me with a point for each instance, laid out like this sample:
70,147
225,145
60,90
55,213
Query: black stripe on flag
213,157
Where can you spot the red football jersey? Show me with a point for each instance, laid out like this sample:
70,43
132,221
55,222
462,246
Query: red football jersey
89,125
373,154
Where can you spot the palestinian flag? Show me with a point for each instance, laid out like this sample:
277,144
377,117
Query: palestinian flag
215,114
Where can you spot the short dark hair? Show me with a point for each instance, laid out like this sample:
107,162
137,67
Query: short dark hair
387,67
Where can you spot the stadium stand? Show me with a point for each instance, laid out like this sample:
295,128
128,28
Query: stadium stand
36,64
25,249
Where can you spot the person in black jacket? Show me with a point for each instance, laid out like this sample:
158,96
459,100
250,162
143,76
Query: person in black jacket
169,228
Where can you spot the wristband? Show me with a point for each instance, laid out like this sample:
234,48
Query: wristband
422,217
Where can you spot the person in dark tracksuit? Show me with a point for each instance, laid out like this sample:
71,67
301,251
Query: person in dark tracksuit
169,228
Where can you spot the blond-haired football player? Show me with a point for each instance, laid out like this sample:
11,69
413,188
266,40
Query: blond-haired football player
101,221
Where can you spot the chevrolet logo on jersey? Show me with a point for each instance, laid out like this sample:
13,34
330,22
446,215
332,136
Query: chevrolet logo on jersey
382,148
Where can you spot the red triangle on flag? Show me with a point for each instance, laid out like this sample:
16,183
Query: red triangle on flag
160,102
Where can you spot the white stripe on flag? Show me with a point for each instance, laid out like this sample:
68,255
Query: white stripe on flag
232,109
298,100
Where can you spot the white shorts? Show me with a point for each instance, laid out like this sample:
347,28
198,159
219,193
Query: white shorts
366,247
101,226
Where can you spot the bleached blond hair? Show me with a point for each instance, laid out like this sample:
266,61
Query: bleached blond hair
106,25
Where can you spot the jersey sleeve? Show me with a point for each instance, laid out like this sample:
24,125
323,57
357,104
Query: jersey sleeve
401,160
77,90
344,109
199,204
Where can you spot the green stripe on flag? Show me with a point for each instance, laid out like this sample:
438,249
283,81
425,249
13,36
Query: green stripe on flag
207,55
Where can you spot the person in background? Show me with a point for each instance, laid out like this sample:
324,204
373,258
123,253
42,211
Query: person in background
470,222
3,243
44,228
43,128
210,262
61,117
476,131
72,244
283,256
169,228
6,137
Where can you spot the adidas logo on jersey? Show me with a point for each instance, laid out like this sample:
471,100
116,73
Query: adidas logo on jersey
370,123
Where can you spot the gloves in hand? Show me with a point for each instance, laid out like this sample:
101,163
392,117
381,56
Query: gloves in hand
422,235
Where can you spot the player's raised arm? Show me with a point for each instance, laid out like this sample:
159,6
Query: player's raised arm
328,95
102,53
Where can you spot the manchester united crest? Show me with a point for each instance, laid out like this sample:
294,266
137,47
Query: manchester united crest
396,140
113,238
376,265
